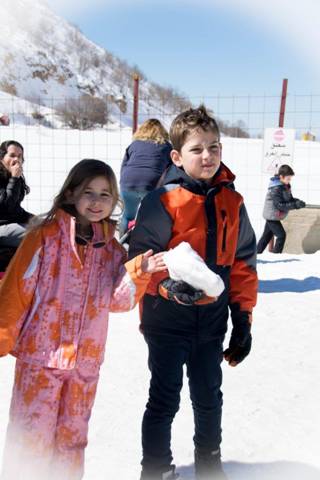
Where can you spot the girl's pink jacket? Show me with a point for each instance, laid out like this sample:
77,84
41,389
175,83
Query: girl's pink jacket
53,307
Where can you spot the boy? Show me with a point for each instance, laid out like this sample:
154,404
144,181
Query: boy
197,204
278,202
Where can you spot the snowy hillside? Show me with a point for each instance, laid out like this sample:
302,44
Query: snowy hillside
271,423
43,57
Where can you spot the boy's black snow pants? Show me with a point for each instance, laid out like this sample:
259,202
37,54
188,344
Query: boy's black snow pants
167,355
272,227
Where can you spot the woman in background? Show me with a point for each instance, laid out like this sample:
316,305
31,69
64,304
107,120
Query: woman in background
145,160
13,188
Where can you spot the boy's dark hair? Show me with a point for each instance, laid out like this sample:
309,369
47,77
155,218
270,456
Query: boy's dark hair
285,170
188,121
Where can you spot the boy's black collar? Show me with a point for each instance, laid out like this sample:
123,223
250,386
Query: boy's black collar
179,176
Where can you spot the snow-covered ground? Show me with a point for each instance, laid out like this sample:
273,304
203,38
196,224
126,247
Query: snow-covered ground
271,422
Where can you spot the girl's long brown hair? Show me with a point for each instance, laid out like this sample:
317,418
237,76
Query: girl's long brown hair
81,174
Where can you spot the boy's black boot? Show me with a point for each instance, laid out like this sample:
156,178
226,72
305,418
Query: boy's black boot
169,474
208,465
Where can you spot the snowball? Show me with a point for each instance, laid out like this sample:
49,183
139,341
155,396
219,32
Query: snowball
185,264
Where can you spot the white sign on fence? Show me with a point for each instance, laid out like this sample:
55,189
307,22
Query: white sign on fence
278,148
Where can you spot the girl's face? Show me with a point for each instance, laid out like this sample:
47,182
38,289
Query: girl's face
13,157
94,202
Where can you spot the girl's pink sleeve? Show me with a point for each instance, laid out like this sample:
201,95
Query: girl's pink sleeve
17,289
130,285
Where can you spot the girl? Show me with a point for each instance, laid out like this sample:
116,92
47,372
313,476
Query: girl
55,298
144,162
13,188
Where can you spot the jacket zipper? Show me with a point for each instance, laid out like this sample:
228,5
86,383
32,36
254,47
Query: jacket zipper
224,235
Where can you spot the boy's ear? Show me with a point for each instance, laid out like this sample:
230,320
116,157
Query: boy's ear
176,158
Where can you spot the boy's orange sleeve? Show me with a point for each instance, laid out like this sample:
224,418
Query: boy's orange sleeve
17,289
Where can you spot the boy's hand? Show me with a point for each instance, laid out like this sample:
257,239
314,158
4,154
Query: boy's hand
300,204
240,341
152,263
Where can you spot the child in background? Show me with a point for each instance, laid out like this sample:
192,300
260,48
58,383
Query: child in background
66,276
278,202
199,205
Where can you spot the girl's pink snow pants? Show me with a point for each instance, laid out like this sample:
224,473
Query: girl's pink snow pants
48,426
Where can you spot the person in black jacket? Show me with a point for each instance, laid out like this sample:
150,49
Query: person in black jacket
145,160
278,202
13,188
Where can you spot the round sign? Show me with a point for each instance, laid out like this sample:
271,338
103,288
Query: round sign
279,135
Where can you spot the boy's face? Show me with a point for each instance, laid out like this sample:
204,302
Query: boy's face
200,155
286,179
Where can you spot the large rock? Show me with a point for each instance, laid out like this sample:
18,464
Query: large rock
303,230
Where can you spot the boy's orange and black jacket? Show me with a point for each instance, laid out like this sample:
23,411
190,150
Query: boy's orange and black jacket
214,220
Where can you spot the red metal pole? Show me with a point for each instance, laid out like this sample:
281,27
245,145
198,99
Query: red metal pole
283,102
135,102
281,124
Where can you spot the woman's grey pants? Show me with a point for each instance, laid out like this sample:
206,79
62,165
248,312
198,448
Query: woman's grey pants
11,234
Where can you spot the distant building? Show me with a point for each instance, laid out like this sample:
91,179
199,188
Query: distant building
308,136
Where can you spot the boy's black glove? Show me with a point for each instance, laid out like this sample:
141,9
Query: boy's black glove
300,204
179,291
240,340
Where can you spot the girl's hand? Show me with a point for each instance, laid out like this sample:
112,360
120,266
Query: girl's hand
16,169
153,263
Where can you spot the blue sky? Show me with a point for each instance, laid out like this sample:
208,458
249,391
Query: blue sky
209,47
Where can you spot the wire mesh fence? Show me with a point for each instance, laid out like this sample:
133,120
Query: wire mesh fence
248,115
244,116
52,145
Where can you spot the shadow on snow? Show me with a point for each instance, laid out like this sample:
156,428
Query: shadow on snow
285,260
289,285
281,470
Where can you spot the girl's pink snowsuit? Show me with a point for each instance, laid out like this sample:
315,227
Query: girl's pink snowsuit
54,319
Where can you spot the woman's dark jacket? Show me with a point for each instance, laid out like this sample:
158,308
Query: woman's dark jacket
12,192
143,164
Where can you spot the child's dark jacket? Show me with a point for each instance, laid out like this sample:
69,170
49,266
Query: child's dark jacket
215,223
279,200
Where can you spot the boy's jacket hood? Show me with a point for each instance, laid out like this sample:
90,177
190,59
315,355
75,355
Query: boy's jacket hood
275,181
178,175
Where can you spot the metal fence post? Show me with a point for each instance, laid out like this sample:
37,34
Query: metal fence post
135,102
283,102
